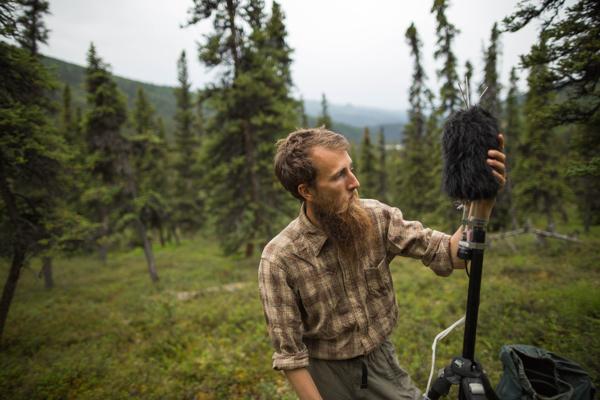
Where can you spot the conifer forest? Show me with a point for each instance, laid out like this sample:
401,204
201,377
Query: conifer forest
132,221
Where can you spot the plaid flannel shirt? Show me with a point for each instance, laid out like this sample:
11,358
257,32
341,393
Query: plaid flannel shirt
320,304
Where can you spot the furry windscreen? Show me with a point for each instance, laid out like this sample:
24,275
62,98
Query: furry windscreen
468,135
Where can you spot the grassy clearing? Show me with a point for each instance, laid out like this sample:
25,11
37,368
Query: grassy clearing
106,332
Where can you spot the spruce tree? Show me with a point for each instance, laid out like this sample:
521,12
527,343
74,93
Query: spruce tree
368,167
66,128
355,159
491,98
106,148
449,95
513,121
282,116
252,108
512,130
277,47
32,29
324,119
73,239
302,112
33,160
583,170
382,168
146,207
8,19
450,101
571,34
469,79
410,184
539,170
436,207
67,119
79,179
150,164
187,209
166,227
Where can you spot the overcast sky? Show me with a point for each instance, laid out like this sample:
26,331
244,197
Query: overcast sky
353,51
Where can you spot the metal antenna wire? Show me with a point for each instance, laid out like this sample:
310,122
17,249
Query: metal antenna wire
482,93
468,88
463,96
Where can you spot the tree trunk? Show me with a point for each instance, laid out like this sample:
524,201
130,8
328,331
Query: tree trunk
46,272
19,249
11,285
512,211
249,249
103,253
147,251
161,236
587,217
173,231
249,150
549,217
233,43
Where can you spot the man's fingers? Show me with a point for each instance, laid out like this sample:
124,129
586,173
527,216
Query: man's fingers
496,160
496,154
496,165
501,179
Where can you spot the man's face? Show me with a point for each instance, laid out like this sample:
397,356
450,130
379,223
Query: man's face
335,203
335,184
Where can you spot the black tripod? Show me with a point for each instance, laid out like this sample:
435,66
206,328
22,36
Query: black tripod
465,371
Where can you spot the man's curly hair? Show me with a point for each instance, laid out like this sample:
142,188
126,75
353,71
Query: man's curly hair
293,164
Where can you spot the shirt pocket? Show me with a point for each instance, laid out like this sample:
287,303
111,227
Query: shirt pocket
378,279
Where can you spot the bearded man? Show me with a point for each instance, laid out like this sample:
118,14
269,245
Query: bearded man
325,281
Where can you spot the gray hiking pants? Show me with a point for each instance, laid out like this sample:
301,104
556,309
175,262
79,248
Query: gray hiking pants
374,376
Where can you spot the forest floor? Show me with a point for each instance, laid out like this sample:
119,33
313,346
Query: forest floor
106,332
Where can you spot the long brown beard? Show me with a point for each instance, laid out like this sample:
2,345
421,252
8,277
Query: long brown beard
351,230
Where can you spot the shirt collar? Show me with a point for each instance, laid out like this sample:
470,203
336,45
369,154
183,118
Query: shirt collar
314,237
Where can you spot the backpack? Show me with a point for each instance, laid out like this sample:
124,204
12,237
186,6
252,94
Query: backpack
532,373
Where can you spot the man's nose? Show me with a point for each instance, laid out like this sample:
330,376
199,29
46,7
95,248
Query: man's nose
353,182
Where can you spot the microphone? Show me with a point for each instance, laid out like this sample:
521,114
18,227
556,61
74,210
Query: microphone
467,137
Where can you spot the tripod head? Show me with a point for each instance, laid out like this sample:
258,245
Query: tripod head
473,383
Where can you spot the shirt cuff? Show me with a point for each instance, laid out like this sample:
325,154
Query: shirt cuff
290,361
437,255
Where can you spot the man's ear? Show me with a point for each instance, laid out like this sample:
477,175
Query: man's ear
306,192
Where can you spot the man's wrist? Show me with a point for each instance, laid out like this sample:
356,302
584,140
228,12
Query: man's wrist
482,209
303,384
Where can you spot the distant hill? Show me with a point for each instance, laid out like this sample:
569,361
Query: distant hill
162,97
351,120
392,132
356,115
348,119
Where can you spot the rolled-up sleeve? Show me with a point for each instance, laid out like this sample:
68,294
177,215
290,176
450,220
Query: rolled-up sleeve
283,317
412,239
